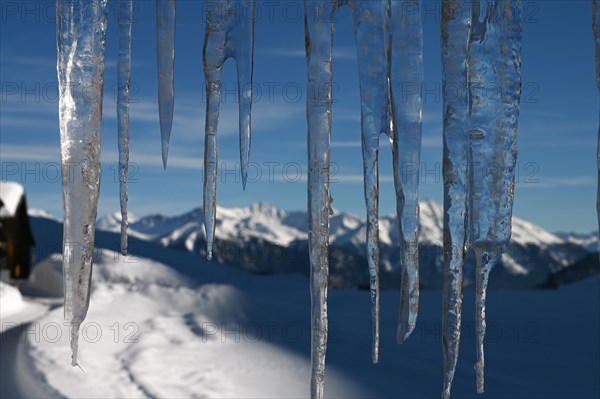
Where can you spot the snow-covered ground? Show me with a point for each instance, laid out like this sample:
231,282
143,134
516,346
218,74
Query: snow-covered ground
192,328
16,310
11,300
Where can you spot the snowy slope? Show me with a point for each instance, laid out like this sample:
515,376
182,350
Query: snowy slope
263,239
16,310
154,332
192,328
199,328
11,300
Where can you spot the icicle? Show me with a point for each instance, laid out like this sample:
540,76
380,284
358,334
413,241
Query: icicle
319,40
81,35
229,33
406,79
483,41
165,46
455,31
369,19
481,135
124,75
510,25
596,28
494,61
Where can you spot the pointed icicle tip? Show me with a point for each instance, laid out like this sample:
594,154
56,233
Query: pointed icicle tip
404,331
375,348
479,370
165,154
74,341
244,171
124,238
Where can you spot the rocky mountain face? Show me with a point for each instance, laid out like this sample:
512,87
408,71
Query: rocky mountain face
263,239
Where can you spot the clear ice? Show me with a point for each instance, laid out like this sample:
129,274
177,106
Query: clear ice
455,32
479,53
406,81
369,18
389,61
81,40
125,16
480,50
494,61
319,41
165,52
229,33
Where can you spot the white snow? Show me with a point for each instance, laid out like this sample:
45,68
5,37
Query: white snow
153,332
10,194
113,220
257,221
521,265
431,219
11,300
512,266
528,233
188,314
281,227
166,334
16,310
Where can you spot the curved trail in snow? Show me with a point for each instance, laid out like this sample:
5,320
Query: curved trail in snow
19,377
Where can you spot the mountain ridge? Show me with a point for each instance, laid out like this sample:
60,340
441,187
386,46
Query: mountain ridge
264,239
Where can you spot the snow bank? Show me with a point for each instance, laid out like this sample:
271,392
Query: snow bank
152,332
11,301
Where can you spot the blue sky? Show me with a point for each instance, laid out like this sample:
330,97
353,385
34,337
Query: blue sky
556,174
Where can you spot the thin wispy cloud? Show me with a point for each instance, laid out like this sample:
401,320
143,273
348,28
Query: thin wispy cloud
426,141
24,152
50,62
339,53
358,179
558,182
146,154
432,141
37,123
346,144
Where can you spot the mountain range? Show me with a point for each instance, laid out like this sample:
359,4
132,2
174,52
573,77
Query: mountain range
265,240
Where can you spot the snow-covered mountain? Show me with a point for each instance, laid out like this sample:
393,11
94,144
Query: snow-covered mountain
263,239
588,241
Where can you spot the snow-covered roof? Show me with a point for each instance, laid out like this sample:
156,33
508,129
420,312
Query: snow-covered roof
10,194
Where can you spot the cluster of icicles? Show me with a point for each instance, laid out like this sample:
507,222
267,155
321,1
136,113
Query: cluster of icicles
480,49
